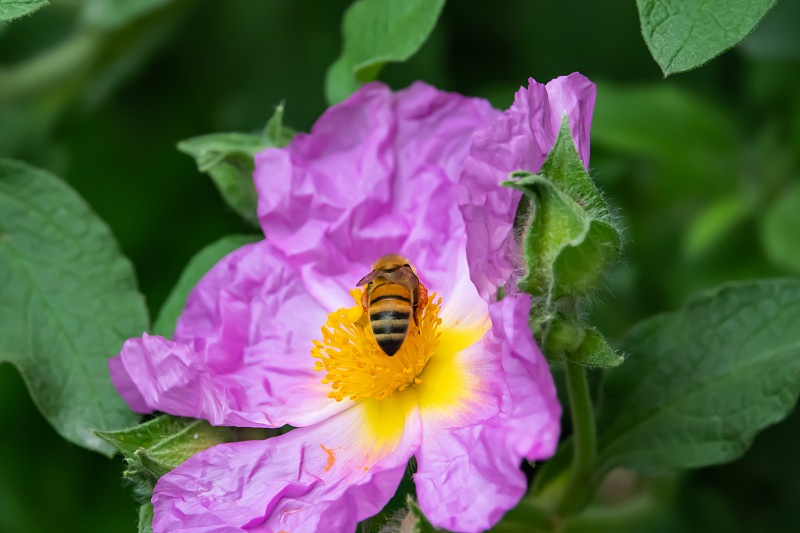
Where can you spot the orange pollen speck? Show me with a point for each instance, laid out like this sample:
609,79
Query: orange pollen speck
331,457
356,367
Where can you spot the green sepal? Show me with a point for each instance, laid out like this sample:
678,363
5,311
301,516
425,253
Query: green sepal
146,518
157,446
557,223
421,523
594,351
229,159
564,334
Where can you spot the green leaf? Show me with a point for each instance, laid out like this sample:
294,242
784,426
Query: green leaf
69,300
421,523
377,32
684,34
146,518
228,159
699,383
780,229
716,222
11,9
194,271
115,13
157,446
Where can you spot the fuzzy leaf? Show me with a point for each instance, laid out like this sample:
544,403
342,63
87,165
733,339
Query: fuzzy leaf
194,271
11,9
699,383
228,159
684,34
69,300
377,32
157,446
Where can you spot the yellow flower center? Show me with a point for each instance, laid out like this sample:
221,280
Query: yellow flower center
357,368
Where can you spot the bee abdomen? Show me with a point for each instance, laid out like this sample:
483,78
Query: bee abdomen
390,328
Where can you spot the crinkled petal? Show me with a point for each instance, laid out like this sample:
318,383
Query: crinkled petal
469,476
518,140
531,408
311,480
376,175
242,349
464,481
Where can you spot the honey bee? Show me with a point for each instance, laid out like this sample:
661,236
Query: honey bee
392,297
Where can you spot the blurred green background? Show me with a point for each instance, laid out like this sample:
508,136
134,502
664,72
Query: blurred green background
701,169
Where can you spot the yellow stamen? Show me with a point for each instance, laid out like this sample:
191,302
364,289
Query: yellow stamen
357,368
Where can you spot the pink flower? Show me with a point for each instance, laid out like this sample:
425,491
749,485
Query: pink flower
469,394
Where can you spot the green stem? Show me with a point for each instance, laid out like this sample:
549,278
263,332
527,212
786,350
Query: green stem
584,435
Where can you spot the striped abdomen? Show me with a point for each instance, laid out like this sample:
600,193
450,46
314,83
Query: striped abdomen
390,309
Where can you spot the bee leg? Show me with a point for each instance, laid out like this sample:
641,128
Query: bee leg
365,299
422,301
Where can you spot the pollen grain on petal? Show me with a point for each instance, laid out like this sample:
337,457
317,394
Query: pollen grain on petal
331,457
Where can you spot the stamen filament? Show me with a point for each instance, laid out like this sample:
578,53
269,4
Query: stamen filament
357,368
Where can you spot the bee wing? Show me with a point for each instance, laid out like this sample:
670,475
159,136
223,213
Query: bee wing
369,277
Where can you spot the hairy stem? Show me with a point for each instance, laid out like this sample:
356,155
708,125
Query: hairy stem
580,484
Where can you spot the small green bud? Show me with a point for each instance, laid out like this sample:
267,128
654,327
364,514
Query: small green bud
569,240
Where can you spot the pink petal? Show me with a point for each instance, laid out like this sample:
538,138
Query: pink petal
531,409
317,479
518,140
465,481
376,175
468,477
242,354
